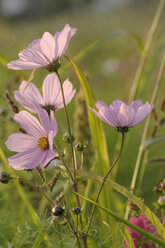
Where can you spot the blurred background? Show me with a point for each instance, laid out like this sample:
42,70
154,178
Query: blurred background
110,69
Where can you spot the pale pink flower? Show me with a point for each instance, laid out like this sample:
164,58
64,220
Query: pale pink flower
138,239
51,90
44,52
121,115
36,146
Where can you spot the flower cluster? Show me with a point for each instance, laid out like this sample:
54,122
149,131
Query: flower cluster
138,239
35,145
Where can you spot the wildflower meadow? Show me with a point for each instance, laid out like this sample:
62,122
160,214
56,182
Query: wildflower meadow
82,154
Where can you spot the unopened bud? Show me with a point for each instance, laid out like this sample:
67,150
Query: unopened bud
57,210
76,211
81,146
4,177
161,201
66,138
160,187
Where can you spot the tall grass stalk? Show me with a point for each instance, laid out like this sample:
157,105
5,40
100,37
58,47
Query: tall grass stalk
147,46
144,135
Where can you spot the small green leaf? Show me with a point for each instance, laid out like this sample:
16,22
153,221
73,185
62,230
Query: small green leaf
139,43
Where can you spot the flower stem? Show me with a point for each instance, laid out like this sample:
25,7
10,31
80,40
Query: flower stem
71,143
63,161
144,135
37,187
72,227
103,182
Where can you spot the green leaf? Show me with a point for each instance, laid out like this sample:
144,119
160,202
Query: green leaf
146,210
92,48
98,137
128,238
139,43
136,228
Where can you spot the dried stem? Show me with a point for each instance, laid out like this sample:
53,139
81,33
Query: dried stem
30,79
147,46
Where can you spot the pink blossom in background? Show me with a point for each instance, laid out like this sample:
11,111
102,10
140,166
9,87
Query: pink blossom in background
51,90
45,51
121,115
36,146
139,240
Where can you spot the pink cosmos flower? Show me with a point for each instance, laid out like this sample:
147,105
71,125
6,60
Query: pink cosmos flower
44,52
51,89
138,239
121,115
36,146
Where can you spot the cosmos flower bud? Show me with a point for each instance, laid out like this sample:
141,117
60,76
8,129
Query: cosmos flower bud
57,210
161,201
76,211
66,138
4,177
80,146
160,187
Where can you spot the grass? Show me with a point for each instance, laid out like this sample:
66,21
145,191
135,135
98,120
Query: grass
121,54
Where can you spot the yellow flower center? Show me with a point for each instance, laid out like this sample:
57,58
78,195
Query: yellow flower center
43,143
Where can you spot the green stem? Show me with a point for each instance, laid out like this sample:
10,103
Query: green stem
103,182
147,46
35,187
144,135
69,129
75,233
71,143
63,161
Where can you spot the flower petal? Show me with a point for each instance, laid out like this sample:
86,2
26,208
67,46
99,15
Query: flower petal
63,39
20,64
28,159
31,93
51,89
19,142
53,123
69,93
29,123
21,100
141,114
50,154
44,118
47,45
29,96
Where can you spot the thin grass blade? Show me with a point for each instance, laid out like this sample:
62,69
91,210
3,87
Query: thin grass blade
146,210
136,228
